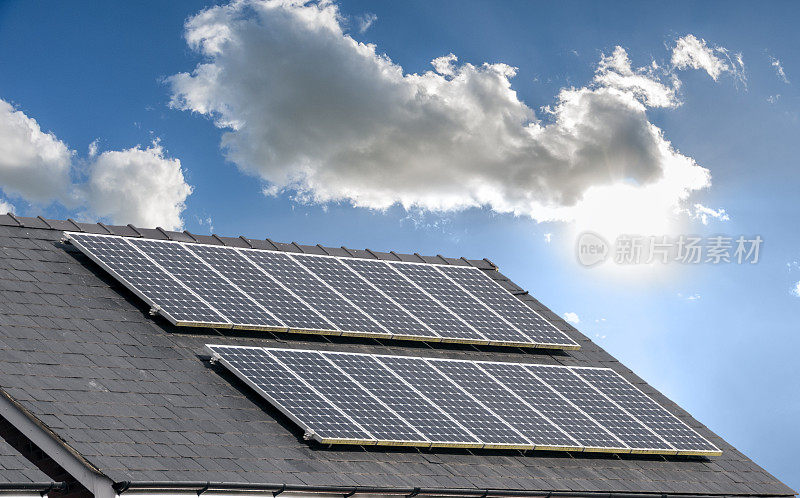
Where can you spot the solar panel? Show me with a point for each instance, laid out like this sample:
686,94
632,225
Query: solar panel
306,407
629,430
446,324
351,398
266,291
472,415
553,406
503,402
365,409
360,292
212,287
149,281
641,406
490,325
315,292
198,284
533,326
428,419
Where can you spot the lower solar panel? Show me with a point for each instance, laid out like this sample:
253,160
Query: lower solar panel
435,425
296,399
469,413
354,398
365,409
594,404
505,404
638,404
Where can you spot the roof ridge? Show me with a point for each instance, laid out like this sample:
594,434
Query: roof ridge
159,233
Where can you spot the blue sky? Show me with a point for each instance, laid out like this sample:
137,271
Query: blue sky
720,340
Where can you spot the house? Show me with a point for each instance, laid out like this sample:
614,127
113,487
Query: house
99,393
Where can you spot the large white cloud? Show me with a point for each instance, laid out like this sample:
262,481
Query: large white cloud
307,108
139,186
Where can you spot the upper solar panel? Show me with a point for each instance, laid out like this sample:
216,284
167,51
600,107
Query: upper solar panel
228,287
351,398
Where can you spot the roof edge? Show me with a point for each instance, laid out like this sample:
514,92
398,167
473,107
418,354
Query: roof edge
199,487
42,436
158,233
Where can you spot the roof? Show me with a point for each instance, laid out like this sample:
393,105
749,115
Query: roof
138,400
17,472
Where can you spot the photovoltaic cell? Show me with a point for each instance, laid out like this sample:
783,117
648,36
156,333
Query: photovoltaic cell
146,278
641,406
308,409
461,303
470,414
224,297
359,404
317,294
395,400
480,285
268,293
199,284
352,286
412,298
587,432
410,405
597,406
503,403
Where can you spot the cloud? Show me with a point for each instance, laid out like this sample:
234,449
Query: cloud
317,114
365,22
572,318
139,186
796,289
548,237
773,99
6,207
93,148
706,214
776,63
33,164
693,52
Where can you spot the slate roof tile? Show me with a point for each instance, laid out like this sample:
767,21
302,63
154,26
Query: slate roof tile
138,400
16,469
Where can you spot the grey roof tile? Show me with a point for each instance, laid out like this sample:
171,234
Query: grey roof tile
16,469
140,403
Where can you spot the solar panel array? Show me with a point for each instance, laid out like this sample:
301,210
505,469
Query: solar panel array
219,286
351,398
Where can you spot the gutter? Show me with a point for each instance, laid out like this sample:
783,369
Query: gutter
42,487
199,488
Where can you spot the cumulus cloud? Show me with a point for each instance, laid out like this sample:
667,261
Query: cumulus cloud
312,111
693,52
139,186
572,318
33,164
